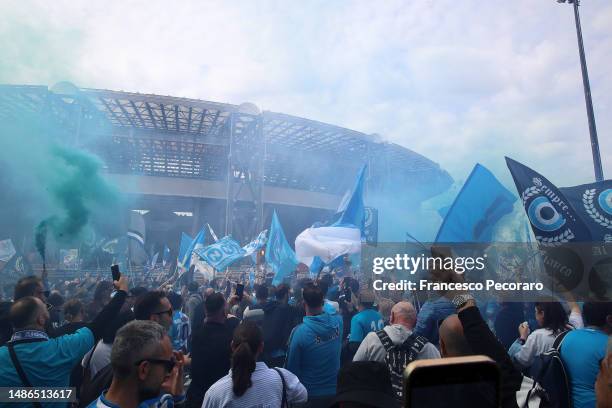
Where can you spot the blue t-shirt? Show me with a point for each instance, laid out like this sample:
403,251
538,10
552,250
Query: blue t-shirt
362,323
582,351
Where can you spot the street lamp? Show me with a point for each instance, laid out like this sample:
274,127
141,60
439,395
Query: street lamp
587,94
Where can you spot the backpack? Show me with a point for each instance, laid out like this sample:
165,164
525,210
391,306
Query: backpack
399,356
92,389
549,371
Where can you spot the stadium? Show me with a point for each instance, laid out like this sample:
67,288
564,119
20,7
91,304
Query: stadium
188,162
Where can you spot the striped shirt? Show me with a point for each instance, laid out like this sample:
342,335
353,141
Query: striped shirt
266,391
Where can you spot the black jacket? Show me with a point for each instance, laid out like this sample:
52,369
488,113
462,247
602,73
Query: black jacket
514,386
210,357
279,319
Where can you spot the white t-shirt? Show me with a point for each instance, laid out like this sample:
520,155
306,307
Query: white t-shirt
100,359
538,342
266,391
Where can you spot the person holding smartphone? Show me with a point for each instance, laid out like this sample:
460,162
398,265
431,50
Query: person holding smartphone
31,359
467,333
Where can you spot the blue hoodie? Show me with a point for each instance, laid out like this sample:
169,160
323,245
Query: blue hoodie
314,353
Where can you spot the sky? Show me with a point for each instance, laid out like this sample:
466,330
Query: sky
457,81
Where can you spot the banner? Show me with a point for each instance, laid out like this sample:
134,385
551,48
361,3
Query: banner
7,250
553,219
221,254
593,203
17,267
69,258
480,203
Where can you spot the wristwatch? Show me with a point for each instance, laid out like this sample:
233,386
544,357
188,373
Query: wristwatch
460,300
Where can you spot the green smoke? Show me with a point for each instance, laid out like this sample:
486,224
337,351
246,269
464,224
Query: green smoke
41,238
77,189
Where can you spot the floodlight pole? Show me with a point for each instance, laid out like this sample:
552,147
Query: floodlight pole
587,97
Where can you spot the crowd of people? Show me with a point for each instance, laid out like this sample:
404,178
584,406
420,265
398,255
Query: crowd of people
311,343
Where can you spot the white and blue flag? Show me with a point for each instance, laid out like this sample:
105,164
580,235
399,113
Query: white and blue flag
221,254
342,236
198,242
256,244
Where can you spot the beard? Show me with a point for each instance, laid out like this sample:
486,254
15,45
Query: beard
146,392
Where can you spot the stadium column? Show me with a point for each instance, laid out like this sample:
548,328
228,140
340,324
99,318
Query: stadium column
244,194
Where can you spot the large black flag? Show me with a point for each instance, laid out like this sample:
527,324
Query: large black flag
553,219
593,203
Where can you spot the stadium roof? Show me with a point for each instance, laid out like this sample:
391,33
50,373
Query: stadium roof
179,137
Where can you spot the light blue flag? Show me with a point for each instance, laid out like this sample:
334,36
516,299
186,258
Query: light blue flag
481,202
279,254
256,244
221,254
184,246
316,266
198,242
351,211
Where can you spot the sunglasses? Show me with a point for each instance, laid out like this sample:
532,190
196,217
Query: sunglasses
168,312
168,364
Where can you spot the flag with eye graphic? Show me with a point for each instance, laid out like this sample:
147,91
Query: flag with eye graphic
553,218
593,203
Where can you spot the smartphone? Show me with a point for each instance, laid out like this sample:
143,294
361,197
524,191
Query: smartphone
239,290
456,382
115,272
